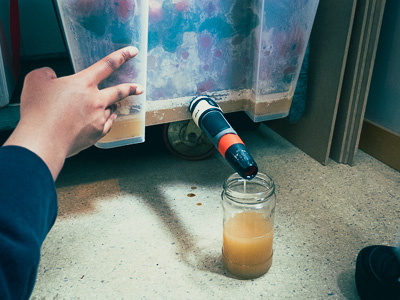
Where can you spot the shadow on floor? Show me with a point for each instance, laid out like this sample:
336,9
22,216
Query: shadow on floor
347,285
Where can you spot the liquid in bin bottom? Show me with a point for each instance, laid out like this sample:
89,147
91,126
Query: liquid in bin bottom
124,130
270,109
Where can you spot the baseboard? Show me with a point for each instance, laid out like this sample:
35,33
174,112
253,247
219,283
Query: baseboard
381,143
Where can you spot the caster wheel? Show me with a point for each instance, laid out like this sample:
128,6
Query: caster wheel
187,141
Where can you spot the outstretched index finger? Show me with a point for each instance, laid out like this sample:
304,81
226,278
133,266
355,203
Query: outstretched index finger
106,66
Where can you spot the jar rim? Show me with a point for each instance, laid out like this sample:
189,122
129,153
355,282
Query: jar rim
262,180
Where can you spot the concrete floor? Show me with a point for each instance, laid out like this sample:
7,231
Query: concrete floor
127,228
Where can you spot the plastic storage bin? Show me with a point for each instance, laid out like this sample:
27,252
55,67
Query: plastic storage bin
7,80
7,74
247,55
94,29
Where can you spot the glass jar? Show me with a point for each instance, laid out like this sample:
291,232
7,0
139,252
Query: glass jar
249,210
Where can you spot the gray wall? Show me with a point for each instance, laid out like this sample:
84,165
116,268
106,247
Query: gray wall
383,105
40,34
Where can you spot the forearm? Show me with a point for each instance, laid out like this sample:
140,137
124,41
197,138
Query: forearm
28,204
47,147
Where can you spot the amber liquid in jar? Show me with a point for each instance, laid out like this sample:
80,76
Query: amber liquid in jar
249,210
247,245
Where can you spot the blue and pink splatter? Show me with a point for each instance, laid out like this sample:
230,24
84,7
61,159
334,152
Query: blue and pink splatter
195,47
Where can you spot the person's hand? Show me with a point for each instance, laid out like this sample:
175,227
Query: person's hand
62,116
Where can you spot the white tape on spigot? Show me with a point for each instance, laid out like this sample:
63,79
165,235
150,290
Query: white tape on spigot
201,107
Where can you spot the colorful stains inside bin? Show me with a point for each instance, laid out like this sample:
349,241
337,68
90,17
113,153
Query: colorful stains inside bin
247,54
197,47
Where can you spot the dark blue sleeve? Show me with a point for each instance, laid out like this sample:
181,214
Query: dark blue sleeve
28,210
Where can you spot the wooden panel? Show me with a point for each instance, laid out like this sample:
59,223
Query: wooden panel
329,43
350,87
362,52
381,143
371,49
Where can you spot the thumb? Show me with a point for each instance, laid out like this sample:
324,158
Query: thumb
108,124
42,74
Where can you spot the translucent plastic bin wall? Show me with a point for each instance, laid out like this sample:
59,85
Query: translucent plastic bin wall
246,54
280,45
94,29
7,75
5,79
